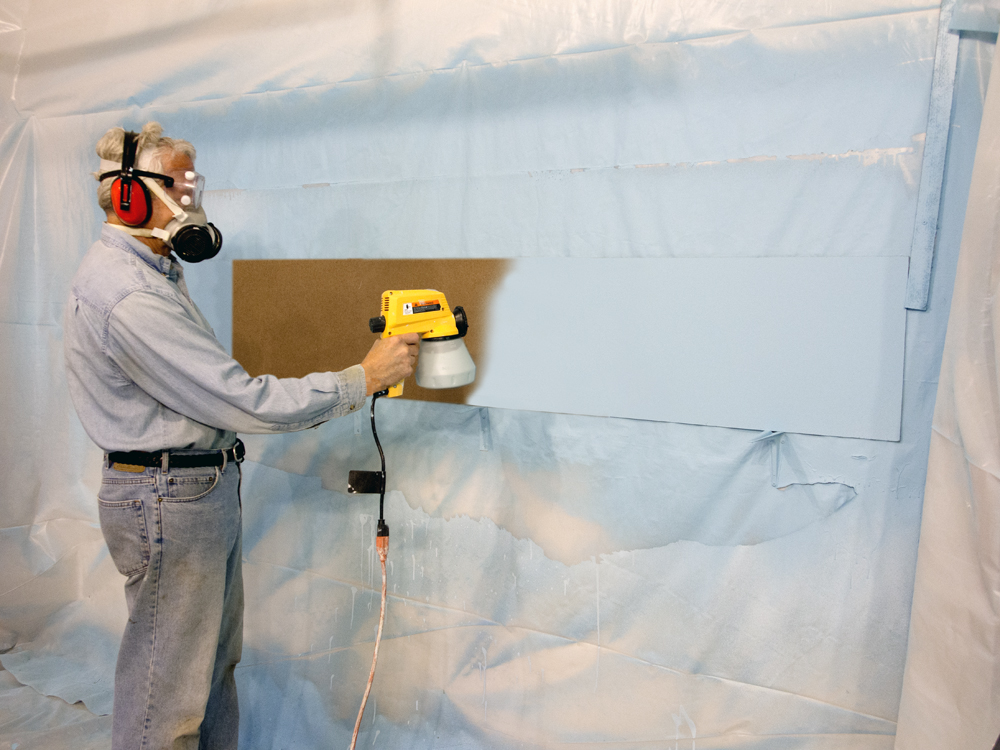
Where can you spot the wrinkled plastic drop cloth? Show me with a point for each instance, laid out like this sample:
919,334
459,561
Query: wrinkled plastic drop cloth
552,579
31,721
951,694
525,650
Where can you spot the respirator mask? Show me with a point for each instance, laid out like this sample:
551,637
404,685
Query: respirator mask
189,233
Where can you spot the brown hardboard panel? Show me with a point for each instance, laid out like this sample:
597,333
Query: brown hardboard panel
294,317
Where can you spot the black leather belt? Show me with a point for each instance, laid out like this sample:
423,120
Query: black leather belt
132,460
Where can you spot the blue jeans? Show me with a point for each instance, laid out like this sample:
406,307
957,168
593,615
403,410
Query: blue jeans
176,536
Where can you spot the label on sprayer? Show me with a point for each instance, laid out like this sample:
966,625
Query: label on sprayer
422,306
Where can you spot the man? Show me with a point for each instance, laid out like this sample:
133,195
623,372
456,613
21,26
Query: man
154,388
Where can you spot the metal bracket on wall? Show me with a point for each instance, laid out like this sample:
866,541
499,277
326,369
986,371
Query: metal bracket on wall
365,482
776,438
485,437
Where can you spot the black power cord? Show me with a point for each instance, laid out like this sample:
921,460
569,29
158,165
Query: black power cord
383,529
361,482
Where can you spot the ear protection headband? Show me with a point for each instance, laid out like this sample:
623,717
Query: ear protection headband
130,197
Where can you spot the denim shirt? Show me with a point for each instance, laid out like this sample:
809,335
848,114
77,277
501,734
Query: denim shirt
147,373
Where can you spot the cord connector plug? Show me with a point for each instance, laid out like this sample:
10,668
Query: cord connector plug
382,539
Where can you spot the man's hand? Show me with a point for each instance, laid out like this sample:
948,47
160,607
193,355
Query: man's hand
390,360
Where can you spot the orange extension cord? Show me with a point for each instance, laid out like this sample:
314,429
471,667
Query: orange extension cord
382,545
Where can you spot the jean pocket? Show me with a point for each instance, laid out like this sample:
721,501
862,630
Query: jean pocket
183,488
123,524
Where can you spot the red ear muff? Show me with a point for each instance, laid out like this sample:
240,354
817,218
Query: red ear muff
131,200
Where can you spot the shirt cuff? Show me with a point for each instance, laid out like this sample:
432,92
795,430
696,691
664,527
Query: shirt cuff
354,386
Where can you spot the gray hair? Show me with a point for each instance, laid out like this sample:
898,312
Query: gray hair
153,146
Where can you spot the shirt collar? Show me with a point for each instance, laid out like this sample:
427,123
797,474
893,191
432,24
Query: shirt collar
168,266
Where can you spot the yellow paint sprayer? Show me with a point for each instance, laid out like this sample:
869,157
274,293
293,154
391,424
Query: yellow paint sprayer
444,362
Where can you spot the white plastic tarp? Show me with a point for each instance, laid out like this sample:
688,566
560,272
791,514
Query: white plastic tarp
553,579
951,693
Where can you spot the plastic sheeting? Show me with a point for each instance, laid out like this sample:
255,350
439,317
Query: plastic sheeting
553,579
976,15
951,694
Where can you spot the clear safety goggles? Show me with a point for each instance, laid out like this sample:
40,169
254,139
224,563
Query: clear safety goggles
186,188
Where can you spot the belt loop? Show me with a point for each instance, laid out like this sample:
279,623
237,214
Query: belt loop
165,461
224,452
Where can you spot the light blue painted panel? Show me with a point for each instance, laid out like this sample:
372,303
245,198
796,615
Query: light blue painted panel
811,345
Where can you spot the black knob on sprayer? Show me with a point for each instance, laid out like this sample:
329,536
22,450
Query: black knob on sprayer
377,324
461,321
